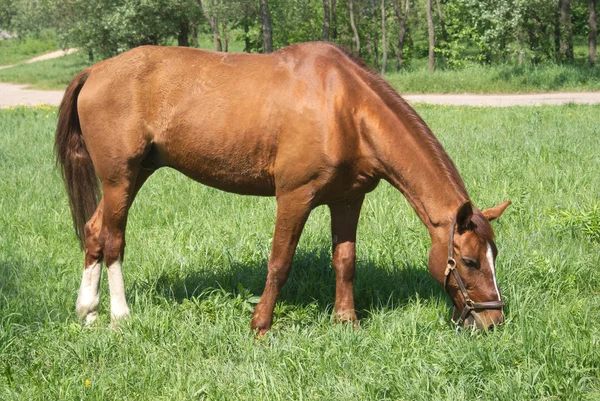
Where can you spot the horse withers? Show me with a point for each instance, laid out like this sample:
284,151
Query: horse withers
307,124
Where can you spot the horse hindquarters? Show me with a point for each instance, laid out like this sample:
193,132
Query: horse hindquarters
86,132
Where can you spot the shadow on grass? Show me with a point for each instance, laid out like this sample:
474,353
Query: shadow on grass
312,280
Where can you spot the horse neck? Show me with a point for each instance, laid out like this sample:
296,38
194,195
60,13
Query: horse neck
414,162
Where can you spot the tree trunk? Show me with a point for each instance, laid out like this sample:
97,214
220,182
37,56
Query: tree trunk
195,36
431,37
267,27
383,39
521,49
353,26
593,33
214,25
326,23
246,37
442,24
566,37
333,21
402,31
225,35
557,34
182,37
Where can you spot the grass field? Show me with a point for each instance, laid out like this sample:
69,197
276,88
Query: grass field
49,74
501,78
13,51
416,78
196,262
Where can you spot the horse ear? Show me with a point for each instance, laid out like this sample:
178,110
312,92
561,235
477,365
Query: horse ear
494,212
463,215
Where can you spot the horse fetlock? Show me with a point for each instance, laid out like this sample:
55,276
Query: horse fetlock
119,312
347,316
87,308
261,323
88,297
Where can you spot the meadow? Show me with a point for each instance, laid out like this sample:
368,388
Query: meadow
195,265
415,78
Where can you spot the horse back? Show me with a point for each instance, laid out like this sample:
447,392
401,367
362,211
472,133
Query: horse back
250,124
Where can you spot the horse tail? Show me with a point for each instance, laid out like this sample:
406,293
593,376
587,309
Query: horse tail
74,159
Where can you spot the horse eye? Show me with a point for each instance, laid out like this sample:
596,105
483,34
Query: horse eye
470,263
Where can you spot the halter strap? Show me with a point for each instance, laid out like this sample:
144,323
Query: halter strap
451,267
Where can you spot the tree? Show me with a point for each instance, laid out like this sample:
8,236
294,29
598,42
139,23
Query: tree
326,22
353,26
213,22
430,30
383,38
402,31
267,27
566,32
593,34
442,24
333,21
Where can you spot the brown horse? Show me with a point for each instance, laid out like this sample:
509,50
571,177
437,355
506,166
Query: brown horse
306,124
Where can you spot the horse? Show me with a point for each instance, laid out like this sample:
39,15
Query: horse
308,124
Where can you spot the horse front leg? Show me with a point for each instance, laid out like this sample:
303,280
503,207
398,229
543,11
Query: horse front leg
344,221
292,212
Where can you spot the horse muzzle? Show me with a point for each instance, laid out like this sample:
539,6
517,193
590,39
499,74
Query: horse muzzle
486,319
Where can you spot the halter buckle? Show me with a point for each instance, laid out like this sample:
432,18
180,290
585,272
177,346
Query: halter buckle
451,265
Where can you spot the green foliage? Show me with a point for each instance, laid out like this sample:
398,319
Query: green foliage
107,28
481,31
196,261
580,222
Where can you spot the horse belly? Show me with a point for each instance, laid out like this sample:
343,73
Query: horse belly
237,165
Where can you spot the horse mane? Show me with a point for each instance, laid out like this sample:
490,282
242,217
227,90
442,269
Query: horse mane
404,111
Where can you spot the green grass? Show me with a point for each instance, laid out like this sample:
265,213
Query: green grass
196,260
49,74
505,78
13,51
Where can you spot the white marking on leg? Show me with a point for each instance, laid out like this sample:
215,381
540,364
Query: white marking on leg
490,258
118,304
88,297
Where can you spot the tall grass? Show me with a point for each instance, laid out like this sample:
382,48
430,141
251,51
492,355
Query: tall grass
502,78
196,259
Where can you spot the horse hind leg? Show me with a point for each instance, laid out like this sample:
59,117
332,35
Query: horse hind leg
105,240
88,297
117,201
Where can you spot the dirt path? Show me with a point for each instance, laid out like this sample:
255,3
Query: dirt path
47,56
506,100
14,95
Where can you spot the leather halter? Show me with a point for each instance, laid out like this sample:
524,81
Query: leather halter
470,306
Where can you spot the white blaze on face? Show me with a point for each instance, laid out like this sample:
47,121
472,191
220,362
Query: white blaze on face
490,257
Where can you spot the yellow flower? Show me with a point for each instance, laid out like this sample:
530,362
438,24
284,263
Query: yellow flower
87,383
516,363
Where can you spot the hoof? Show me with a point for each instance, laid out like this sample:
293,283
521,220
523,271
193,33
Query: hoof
116,316
347,317
89,319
